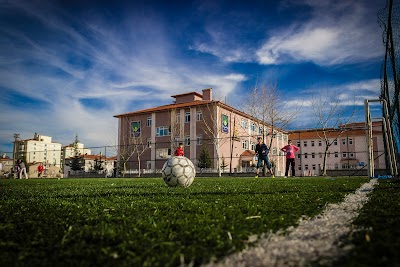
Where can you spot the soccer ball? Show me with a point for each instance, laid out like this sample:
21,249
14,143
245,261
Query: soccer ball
178,171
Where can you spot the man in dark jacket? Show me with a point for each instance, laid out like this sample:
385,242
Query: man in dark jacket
262,153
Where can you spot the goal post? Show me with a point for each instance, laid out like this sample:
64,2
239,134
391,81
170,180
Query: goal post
387,134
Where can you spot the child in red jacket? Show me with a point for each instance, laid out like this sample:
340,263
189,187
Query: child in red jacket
179,150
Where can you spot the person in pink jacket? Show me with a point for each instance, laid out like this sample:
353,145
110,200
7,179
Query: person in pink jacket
290,149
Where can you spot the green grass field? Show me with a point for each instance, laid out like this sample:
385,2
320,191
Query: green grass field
142,222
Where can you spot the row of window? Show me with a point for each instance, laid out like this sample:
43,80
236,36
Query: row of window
187,118
335,142
186,141
344,155
336,166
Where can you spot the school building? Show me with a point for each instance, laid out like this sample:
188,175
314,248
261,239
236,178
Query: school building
348,151
146,138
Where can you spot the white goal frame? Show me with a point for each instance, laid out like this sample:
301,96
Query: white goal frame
388,137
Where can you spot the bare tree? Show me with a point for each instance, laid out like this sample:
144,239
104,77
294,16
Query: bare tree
131,142
330,112
268,106
211,128
139,146
175,129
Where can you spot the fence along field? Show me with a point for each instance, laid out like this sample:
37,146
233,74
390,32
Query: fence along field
143,222
312,168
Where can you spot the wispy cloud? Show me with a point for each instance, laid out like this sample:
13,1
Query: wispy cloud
335,33
61,61
351,97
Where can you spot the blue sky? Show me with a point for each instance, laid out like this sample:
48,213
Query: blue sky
67,67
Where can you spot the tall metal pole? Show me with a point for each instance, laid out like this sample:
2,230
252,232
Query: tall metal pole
16,145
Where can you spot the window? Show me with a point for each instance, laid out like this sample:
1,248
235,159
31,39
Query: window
148,142
253,127
148,121
252,146
199,140
351,155
305,143
319,143
199,115
343,141
313,167
298,156
163,153
244,124
312,143
313,155
335,142
344,155
336,154
299,167
320,155
187,140
245,144
285,138
298,143
350,141
260,129
305,155
162,131
187,117
336,166
306,167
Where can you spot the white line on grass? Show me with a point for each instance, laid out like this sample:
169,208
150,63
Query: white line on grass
316,239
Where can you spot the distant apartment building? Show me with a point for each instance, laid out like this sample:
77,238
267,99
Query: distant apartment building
40,148
96,164
146,138
347,152
6,164
69,151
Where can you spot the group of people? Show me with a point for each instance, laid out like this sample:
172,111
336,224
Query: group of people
20,170
262,151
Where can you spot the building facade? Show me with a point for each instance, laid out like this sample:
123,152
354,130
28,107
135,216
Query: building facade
69,151
90,164
347,152
40,148
146,138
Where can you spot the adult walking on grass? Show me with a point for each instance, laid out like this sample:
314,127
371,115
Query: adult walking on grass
262,151
289,150
22,168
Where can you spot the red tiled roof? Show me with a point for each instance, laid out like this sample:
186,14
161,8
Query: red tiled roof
185,94
166,107
248,153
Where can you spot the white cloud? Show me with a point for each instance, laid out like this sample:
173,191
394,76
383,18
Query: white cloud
335,33
124,70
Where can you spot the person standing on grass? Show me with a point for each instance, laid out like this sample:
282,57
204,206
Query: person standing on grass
262,153
179,150
16,170
40,170
289,150
22,169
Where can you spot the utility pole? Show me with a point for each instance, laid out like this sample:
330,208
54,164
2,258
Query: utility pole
16,145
